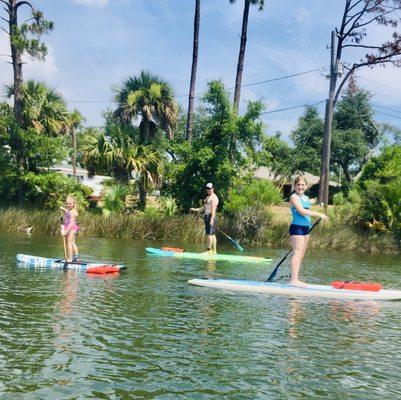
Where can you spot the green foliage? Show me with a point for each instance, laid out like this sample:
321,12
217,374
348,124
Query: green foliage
168,206
277,155
223,146
21,38
355,134
381,206
152,212
308,140
39,144
380,190
49,190
151,99
259,193
113,201
114,151
346,205
384,168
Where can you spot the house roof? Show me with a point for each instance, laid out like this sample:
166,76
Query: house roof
267,173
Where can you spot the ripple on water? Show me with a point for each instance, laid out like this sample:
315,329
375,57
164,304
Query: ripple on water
147,334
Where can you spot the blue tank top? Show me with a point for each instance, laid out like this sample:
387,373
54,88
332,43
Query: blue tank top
297,218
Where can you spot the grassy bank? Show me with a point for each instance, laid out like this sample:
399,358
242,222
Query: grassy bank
336,235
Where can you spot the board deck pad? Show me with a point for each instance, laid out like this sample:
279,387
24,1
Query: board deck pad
207,257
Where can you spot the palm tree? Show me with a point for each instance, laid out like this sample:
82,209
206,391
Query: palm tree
115,151
146,161
43,109
193,71
75,122
151,99
241,56
107,151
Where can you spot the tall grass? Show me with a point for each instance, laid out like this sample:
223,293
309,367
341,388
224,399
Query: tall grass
339,234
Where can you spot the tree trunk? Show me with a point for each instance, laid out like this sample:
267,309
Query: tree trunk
74,152
347,174
241,56
193,71
17,66
18,82
143,191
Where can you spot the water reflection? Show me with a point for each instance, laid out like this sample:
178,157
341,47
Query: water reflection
148,334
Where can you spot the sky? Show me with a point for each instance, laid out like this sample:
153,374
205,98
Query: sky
98,43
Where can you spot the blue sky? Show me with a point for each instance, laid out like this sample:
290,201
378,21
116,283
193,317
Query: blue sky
97,43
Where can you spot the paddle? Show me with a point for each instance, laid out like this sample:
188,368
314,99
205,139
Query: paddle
234,242
274,273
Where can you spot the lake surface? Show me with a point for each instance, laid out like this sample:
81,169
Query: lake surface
147,334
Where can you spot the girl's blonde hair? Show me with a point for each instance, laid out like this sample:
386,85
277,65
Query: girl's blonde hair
300,178
72,199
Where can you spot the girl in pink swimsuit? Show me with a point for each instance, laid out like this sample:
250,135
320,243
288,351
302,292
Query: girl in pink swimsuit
69,228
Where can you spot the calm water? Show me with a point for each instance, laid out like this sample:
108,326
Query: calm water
147,334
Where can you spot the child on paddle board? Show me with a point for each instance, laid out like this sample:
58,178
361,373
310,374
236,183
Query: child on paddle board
299,229
69,228
209,208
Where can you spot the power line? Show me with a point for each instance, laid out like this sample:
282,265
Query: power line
231,88
387,108
293,107
389,115
282,77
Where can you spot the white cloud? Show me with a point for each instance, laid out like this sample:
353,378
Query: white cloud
92,3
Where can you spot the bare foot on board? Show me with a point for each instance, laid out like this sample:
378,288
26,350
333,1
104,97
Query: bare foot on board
298,283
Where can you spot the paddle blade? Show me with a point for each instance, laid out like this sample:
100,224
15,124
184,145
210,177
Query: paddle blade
237,245
272,275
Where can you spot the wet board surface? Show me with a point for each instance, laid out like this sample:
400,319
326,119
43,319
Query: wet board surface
322,291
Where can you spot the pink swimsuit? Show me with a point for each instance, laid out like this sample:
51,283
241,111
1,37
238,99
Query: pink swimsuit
68,224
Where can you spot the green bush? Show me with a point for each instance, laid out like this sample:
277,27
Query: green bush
152,212
49,190
380,206
168,206
258,194
252,224
113,201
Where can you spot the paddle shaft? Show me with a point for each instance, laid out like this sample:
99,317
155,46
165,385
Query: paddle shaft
274,273
233,241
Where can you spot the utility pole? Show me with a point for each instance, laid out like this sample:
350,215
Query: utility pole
328,120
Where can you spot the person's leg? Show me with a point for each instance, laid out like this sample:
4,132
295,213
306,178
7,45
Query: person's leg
209,242
214,244
306,239
75,249
70,239
298,243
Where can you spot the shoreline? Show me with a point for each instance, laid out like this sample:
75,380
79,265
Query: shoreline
338,235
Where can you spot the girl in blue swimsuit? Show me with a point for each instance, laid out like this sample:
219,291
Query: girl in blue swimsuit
299,229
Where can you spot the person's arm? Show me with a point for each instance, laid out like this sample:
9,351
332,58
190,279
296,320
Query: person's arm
294,200
199,209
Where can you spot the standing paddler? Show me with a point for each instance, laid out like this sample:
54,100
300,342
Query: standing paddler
209,209
300,226
69,228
